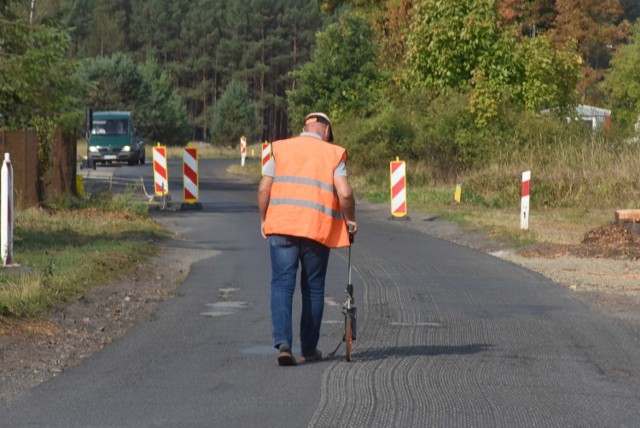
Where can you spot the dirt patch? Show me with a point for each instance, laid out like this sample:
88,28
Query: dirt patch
611,241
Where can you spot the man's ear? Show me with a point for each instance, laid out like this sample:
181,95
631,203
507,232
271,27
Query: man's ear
326,133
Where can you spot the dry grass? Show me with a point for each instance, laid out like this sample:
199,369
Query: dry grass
594,173
557,226
65,251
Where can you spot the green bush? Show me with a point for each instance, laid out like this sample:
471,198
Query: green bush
571,165
440,133
376,141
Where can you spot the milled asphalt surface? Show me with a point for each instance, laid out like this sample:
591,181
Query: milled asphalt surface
447,336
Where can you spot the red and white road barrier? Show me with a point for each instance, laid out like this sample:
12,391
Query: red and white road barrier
266,154
6,211
243,149
160,177
190,174
524,204
398,188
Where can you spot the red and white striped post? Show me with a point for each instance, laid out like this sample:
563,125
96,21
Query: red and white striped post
160,177
243,149
398,188
524,204
266,154
190,174
6,211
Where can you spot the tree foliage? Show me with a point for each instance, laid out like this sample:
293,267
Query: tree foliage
205,44
145,90
39,88
162,114
548,77
118,83
448,41
36,78
622,83
235,115
469,47
595,27
342,79
528,17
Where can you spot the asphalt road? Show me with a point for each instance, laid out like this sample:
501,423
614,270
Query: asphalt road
447,336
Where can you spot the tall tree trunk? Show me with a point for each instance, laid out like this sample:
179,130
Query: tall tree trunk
204,104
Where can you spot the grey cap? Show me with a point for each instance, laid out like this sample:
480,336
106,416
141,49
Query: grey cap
322,118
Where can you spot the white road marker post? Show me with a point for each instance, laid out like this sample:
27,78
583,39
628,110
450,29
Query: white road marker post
6,211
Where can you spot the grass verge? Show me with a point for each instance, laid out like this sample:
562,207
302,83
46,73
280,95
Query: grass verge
557,225
66,249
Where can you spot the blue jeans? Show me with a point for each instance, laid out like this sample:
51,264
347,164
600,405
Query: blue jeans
287,253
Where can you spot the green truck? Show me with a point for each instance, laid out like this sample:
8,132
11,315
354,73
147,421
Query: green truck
113,138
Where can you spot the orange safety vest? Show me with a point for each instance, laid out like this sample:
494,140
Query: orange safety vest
303,200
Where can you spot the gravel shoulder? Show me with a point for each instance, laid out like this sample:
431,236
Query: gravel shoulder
604,272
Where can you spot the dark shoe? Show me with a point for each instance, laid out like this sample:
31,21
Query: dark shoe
285,357
317,356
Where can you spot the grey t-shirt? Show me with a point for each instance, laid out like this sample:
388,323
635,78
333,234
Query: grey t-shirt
270,167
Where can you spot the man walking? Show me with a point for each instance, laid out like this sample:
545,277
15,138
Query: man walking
306,204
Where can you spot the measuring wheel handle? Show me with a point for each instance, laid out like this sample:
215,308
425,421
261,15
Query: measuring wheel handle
352,310
348,334
354,318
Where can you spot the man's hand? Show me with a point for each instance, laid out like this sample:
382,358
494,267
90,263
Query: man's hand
352,226
264,193
262,229
347,201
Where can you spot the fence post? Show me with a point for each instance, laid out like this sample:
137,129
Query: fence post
6,211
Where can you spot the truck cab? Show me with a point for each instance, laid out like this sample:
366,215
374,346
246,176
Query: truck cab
113,138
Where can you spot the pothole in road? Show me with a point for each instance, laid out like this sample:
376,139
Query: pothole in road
224,308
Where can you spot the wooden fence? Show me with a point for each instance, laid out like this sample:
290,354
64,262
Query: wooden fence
22,147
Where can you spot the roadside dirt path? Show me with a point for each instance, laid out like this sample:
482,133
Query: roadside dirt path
604,271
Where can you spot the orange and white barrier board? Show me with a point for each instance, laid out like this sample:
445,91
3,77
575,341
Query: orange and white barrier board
190,174
160,178
243,149
524,204
266,154
398,188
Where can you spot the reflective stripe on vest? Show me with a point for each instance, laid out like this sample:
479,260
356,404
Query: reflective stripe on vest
303,180
302,203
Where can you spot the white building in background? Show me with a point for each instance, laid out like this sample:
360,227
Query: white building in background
593,117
